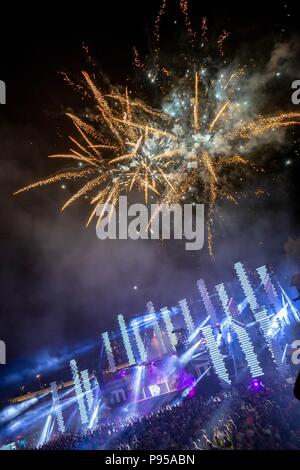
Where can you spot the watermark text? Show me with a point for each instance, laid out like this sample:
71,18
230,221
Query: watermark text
162,221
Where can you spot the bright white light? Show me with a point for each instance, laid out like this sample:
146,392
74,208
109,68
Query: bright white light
87,388
216,357
57,407
247,288
248,350
139,341
195,333
79,392
268,285
45,432
169,326
187,356
126,340
188,319
156,327
14,410
108,350
294,311
154,390
207,302
265,323
137,380
94,416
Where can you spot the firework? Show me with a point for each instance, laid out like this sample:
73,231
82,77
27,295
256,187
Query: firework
181,152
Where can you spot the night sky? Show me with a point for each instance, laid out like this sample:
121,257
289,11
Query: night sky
60,285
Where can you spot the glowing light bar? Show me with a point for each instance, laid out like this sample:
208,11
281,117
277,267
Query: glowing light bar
276,351
108,350
169,326
46,433
156,328
187,316
294,311
94,417
215,355
126,340
57,407
87,388
196,331
246,286
248,350
242,334
207,302
229,307
187,356
224,298
137,382
139,341
268,285
79,392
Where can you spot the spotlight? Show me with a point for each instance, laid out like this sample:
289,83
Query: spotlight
192,393
256,385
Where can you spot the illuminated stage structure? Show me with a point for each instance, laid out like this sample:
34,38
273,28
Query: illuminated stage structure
259,299
214,341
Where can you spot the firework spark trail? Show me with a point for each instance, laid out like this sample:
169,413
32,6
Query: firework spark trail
196,104
221,41
184,10
182,152
156,31
262,124
218,116
65,175
136,60
204,29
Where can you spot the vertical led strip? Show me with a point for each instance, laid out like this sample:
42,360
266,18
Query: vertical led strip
108,350
246,286
139,341
229,306
188,319
223,296
126,340
242,334
79,392
248,350
87,388
268,285
207,302
265,323
216,356
57,407
156,328
169,326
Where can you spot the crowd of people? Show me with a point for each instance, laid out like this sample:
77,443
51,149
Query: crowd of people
238,418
